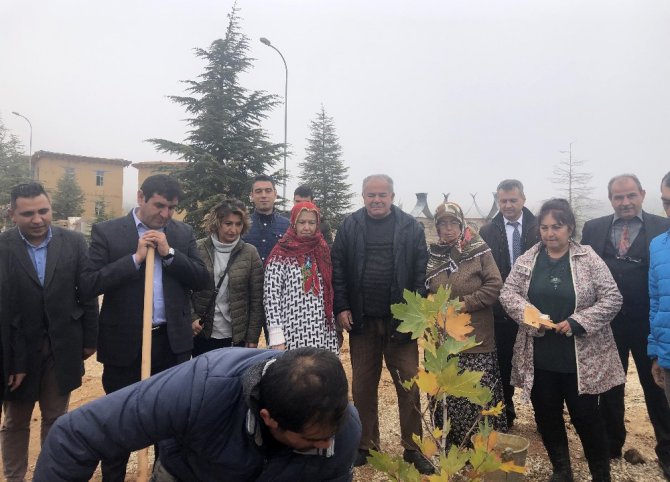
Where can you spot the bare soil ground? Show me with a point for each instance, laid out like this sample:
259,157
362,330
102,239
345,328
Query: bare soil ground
640,433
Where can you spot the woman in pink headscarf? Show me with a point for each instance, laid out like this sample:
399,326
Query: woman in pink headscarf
298,289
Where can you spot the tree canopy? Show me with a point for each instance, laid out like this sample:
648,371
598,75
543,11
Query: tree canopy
68,200
324,171
13,163
13,169
226,145
575,186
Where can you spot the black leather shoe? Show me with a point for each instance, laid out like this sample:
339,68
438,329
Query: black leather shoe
361,457
421,463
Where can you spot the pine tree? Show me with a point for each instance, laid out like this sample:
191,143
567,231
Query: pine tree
324,171
68,200
226,146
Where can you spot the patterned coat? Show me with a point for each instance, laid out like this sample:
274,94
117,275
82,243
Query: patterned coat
293,316
597,302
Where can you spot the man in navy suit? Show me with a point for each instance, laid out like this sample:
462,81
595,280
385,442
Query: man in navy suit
622,241
48,327
117,269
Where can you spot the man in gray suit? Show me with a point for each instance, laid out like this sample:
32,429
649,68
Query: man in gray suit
117,269
50,326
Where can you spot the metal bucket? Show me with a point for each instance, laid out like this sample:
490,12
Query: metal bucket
517,447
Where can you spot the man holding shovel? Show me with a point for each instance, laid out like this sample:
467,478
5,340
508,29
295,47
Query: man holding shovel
116,269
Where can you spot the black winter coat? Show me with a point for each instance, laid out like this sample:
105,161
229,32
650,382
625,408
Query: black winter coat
410,257
57,310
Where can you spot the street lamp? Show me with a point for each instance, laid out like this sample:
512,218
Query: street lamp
267,42
30,166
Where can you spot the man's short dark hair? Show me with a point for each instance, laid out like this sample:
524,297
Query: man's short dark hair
305,387
304,191
635,179
511,184
26,189
263,178
666,180
163,185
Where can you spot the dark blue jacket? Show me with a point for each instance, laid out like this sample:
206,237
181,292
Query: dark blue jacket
265,231
198,413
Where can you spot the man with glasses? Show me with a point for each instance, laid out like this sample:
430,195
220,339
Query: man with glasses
622,241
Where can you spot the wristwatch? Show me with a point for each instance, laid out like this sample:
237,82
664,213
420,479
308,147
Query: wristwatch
170,254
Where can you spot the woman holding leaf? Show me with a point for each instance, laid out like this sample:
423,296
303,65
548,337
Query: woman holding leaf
298,289
462,261
573,358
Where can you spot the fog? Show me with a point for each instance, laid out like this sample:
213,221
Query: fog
444,96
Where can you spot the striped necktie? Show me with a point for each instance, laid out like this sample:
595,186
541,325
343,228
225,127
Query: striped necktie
516,241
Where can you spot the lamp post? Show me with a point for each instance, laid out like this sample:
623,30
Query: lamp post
267,42
30,156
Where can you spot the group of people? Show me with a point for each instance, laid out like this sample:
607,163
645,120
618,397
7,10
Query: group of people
232,411
207,294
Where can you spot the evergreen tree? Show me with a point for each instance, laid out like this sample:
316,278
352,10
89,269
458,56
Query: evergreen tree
68,200
13,163
324,171
575,186
226,146
101,211
13,170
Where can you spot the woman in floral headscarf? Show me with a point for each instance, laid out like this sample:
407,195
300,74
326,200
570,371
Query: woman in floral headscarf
462,261
298,290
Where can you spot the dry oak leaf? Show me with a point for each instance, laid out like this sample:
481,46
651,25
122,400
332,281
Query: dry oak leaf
457,325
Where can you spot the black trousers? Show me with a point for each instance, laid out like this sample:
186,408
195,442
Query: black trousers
630,334
115,378
550,390
203,345
505,333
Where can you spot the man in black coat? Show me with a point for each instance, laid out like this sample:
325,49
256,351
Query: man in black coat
52,328
116,269
379,251
622,241
500,235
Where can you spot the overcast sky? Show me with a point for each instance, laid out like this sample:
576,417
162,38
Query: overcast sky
444,96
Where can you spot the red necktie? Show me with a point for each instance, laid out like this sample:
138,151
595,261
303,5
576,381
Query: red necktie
624,242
